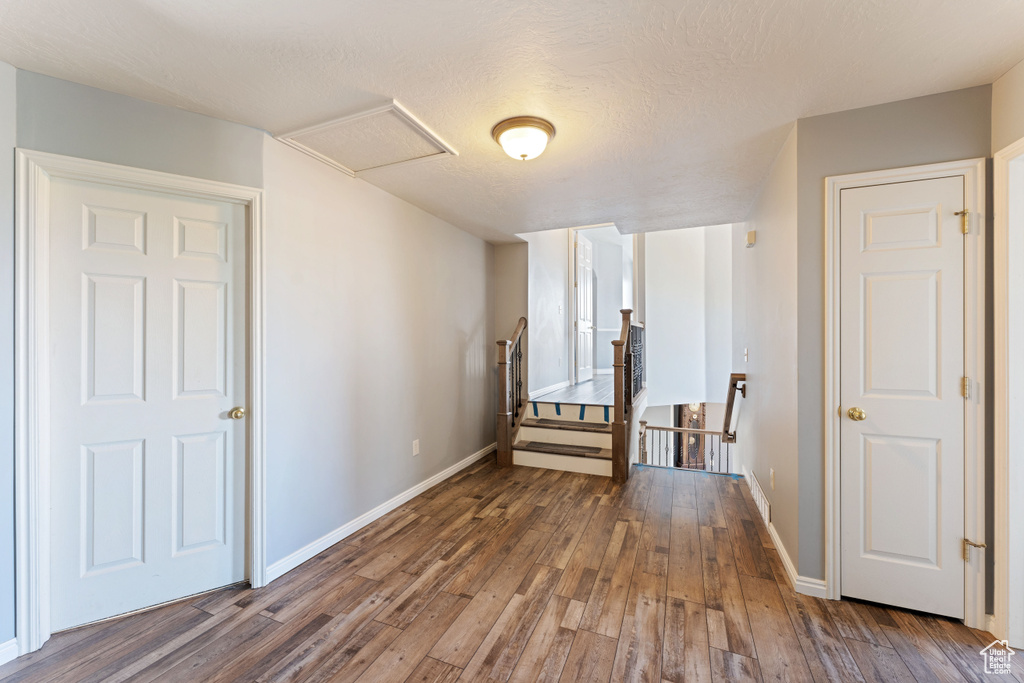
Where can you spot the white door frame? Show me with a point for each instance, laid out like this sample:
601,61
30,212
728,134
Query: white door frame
1008,437
974,363
35,171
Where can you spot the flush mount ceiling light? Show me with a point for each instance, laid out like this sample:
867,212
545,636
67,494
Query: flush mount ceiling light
523,137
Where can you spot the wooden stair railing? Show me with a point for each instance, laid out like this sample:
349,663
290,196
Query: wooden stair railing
735,379
628,373
510,392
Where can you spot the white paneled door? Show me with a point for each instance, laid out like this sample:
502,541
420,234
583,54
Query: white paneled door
903,414
584,309
147,306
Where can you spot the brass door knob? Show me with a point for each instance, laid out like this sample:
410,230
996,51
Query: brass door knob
237,413
857,414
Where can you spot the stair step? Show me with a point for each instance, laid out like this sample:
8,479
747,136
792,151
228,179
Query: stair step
569,412
564,449
572,425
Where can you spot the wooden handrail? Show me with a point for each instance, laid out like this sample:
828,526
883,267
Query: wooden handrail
682,430
520,328
704,444
734,380
510,392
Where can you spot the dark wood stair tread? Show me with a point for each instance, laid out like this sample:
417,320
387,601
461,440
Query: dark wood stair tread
569,425
564,449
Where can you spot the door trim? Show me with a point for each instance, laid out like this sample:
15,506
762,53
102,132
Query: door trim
34,172
1009,596
974,362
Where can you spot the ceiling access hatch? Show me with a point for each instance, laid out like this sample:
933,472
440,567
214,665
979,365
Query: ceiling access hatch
387,135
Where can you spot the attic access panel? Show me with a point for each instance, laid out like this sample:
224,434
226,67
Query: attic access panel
383,136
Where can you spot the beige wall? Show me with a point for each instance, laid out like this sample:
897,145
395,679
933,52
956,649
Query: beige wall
1008,108
511,297
765,282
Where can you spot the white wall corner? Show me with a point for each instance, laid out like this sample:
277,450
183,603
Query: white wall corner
290,562
8,651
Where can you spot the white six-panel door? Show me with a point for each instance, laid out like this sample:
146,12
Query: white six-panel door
584,309
147,333
902,360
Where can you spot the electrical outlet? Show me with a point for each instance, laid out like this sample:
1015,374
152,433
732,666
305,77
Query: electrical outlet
559,361
771,478
559,309
746,357
416,447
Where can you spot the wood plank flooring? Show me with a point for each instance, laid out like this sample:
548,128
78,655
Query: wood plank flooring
594,392
529,575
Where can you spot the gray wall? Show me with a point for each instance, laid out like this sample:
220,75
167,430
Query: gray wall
7,141
548,318
765,323
76,120
944,127
380,330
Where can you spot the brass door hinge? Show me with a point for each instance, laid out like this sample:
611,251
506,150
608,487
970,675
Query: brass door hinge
968,544
965,387
965,221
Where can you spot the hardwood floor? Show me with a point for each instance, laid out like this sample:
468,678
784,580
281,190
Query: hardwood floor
595,392
529,575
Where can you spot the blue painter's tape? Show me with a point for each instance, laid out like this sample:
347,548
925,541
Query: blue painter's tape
583,410
534,408
558,409
606,413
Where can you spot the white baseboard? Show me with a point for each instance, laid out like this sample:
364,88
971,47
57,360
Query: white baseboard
801,584
286,564
8,651
547,390
604,371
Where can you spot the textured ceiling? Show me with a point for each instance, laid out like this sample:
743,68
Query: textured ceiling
668,113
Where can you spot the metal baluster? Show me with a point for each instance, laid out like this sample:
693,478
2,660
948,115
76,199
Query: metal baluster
519,374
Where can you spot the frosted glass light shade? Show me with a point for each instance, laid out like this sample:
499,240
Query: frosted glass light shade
523,137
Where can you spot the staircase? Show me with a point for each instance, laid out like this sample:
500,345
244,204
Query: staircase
576,437
565,436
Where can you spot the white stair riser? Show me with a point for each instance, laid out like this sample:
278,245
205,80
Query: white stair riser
570,411
566,463
564,436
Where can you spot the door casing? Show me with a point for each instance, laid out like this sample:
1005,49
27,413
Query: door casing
32,419
1007,434
973,171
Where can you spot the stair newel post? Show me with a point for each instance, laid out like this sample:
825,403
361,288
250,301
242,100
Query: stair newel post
620,445
504,435
643,441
